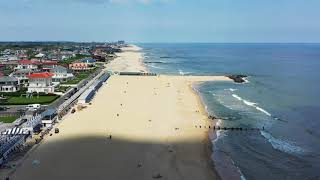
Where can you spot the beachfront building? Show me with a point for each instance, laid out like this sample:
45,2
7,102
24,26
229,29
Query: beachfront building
9,84
27,64
88,61
41,83
81,66
22,75
61,74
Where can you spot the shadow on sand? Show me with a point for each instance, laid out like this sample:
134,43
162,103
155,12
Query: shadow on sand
100,157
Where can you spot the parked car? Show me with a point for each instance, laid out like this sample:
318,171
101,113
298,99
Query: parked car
33,106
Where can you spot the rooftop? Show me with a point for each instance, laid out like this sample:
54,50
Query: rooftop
37,62
40,75
7,79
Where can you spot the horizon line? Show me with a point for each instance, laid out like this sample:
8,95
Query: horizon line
129,42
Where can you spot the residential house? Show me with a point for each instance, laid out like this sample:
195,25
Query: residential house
41,82
61,74
83,65
22,75
40,55
9,84
88,61
28,64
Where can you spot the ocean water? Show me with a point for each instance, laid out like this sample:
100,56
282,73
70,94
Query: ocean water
282,95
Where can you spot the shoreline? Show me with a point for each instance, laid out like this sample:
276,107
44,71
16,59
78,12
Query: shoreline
232,171
211,135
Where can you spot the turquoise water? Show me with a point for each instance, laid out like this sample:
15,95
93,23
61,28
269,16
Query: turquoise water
282,95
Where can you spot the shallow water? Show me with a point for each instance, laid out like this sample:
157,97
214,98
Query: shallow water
281,95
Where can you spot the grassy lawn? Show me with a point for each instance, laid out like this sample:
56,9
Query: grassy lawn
62,89
79,77
8,119
17,100
72,59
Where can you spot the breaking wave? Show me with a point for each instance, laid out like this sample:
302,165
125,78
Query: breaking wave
282,145
155,67
252,104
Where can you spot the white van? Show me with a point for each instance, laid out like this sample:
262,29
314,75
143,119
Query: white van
33,106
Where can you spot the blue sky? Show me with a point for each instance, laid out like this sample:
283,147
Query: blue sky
161,20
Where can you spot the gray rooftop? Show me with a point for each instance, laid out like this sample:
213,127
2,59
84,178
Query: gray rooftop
8,79
23,71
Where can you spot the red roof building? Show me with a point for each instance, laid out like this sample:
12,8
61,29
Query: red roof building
36,62
40,75
29,62
41,83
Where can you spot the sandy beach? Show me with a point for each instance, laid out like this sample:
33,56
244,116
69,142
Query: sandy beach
129,60
136,128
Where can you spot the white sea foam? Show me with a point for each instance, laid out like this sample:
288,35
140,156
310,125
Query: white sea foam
249,103
219,122
282,145
243,177
181,72
252,104
262,110
232,90
245,80
156,67
237,97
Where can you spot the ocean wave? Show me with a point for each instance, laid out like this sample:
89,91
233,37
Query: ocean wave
237,97
156,67
282,145
155,62
249,103
183,73
264,111
252,104
172,57
231,89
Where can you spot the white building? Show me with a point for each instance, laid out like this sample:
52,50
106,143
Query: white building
9,84
41,82
40,55
28,64
61,74
22,75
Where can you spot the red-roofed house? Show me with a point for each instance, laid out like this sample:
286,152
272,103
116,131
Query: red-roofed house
28,64
41,82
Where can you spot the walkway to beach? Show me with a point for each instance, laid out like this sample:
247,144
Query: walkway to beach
152,123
